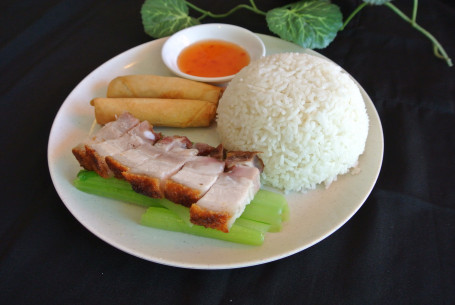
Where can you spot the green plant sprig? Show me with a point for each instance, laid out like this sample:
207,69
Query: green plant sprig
205,13
312,24
438,50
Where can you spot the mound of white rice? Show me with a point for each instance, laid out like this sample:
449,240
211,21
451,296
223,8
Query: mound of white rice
304,113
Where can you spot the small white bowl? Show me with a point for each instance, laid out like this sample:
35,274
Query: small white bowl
231,33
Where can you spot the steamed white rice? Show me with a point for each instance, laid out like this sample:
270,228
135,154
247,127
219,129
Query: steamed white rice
304,113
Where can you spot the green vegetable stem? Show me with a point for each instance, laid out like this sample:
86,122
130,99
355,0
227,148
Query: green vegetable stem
312,24
164,219
266,212
438,50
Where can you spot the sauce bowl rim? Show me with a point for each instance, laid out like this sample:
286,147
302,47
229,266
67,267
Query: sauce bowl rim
187,36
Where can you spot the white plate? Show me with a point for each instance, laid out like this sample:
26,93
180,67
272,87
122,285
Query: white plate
313,216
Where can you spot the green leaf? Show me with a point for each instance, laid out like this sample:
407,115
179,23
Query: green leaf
376,2
162,18
309,23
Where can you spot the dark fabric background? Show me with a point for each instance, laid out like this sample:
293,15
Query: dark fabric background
398,249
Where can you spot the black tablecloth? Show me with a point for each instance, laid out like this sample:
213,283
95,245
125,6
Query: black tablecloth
397,249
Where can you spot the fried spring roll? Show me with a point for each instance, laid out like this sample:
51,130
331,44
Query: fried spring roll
159,112
162,87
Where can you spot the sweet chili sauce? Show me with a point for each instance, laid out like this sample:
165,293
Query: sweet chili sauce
212,58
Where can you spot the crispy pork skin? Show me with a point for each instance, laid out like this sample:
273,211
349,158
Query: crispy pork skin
210,219
149,177
226,199
143,184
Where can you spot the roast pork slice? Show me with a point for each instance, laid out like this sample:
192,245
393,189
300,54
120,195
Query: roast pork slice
137,136
122,162
244,158
227,198
174,143
117,128
196,177
148,178
111,130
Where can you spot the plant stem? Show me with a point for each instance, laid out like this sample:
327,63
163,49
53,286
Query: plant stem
205,13
439,50
358,9
414,12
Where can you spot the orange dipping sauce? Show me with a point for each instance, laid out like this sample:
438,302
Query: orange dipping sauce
212,58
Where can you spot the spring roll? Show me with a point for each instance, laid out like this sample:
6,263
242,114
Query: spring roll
162,87
158,111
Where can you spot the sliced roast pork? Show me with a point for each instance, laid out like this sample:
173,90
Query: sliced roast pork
149,177
227,198
215,184
195,178
208,150
233,190
111,130
135,137
244,158
174,143
123,161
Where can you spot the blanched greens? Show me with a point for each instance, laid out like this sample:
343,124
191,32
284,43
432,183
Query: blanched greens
266,212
